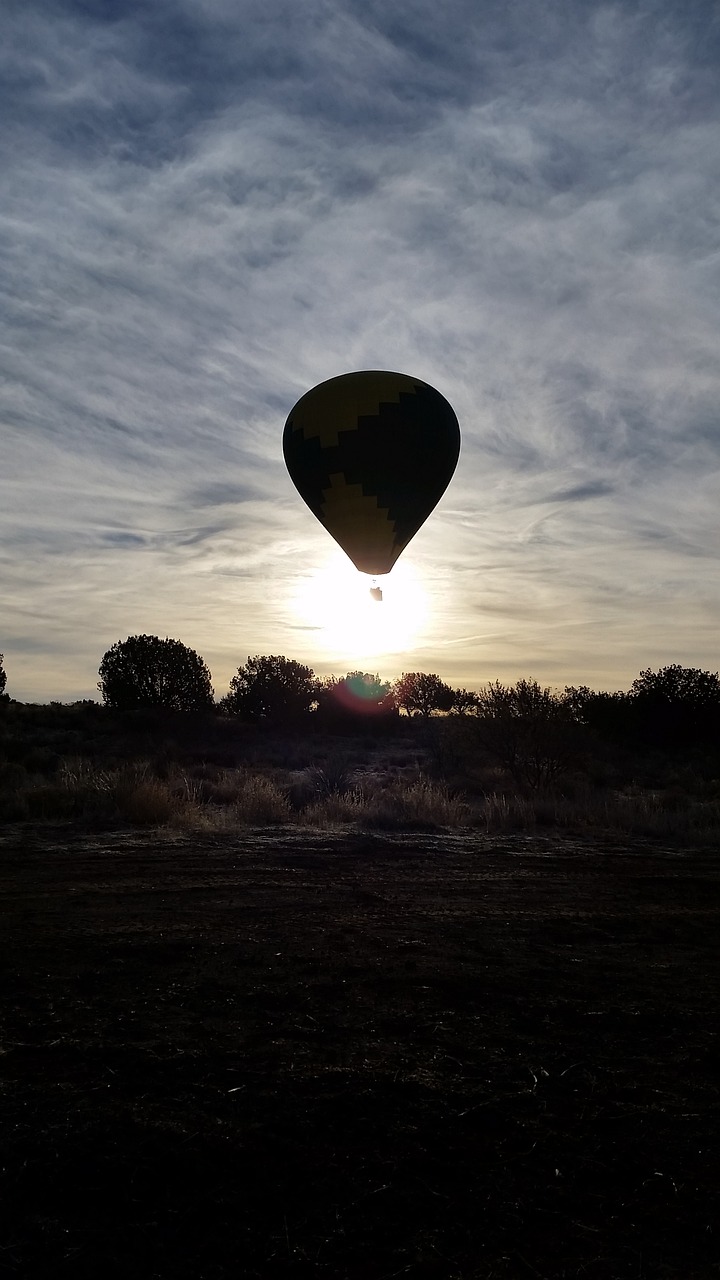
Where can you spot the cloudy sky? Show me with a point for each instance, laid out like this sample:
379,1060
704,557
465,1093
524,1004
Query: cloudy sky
209,206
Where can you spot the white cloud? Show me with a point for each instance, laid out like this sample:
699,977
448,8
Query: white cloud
203,218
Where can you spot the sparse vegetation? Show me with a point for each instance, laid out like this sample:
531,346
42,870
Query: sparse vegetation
528,730
518,757
110,771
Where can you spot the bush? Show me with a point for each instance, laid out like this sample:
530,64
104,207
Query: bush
419,693
145,671
421,806
530,731
260,802
360,703
272,689
677,705
334,810
144,803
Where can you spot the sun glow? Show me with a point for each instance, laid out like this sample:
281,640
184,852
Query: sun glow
336,601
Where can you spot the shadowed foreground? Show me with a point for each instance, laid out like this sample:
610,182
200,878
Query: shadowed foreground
292,1053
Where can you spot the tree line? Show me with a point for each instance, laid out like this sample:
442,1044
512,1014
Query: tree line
145,671
673,706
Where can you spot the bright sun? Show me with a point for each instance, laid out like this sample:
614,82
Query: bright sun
351,625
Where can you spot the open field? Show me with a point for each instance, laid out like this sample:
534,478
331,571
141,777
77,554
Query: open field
358,1056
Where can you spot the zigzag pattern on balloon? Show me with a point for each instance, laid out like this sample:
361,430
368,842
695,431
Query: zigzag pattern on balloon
371,453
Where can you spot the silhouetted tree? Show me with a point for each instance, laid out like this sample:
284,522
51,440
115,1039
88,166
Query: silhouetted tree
145,671
465,702
677,705
528,730
271,688
348,705
369,687
608,716
358,690
418,693
3,680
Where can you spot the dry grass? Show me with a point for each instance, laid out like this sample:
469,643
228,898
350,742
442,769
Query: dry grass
145,803
419,805
416,806
331,811
627,813
341,791
260,802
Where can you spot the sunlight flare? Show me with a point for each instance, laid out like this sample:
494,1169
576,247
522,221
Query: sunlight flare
337,601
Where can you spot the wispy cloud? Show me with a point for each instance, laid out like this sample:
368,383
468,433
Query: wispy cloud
209,208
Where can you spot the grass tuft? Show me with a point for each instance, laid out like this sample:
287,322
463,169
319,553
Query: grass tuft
145,803
259,801
419,806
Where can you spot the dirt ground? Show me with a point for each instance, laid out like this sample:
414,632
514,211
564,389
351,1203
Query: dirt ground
358,1057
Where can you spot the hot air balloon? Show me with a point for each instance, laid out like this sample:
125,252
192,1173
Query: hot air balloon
371,453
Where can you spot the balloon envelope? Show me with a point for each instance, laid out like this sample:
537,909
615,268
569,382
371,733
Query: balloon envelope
372,453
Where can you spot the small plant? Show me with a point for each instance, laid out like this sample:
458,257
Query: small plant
146,803
334,778
422,806
503,812
260,801
335,810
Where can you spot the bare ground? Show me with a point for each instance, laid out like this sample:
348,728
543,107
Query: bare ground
284,1053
